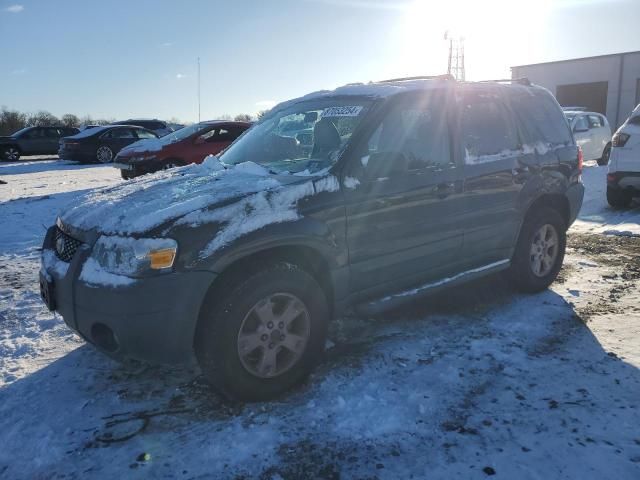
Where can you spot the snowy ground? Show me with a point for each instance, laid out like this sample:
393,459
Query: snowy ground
478,382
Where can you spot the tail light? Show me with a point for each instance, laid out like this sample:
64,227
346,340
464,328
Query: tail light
580,159
620,139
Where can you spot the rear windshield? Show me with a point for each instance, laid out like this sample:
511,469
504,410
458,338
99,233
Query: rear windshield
541,118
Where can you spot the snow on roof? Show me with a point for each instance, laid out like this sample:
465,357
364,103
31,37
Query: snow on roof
371,89
88,132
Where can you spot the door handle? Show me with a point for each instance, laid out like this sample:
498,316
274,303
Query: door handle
443,190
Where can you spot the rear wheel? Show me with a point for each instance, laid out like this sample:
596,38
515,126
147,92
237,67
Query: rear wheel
604,160
104,154
11,154
618,198
263,333
540,251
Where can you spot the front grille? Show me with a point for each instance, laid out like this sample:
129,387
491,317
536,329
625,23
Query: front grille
65,246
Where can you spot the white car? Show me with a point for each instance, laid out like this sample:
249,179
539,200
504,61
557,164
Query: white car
592,132
623,180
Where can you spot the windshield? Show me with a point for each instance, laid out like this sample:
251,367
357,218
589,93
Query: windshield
181,134
304,138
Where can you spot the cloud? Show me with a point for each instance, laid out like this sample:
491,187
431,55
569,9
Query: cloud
180,76
166,44
266,103
14,8
18,71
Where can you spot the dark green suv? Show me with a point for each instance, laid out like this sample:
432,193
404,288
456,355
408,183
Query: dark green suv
33,141
402,188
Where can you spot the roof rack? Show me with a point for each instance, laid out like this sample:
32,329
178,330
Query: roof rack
446,76
521,81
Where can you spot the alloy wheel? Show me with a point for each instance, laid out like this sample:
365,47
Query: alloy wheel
544,250
12,154
104,154
274,335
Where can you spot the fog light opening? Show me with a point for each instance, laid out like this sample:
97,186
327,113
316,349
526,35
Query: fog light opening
104,337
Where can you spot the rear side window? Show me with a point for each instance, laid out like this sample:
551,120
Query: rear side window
541,119
581,125
487,128
144,134
119,133
595,121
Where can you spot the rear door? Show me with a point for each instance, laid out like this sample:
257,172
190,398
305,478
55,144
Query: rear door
495,168
601,134
119,137
33,142
584,136
52,136
403,225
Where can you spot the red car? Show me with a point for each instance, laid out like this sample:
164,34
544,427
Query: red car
188,145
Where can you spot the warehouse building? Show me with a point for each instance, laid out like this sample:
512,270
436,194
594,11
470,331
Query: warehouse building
609,84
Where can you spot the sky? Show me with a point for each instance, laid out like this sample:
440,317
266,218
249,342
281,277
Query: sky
138,58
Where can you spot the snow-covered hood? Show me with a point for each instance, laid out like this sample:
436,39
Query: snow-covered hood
188,193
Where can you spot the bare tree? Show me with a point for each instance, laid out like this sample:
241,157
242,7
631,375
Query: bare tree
70,120
11,121
42,119
224,116
243,117
261,114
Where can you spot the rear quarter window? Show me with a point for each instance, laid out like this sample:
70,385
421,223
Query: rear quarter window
541,118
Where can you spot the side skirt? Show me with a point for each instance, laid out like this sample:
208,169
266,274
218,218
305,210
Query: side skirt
401,298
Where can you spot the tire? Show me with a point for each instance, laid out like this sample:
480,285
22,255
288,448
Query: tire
104,154
604,160
618,198
11,154
126,175
230,316
535,264
171,163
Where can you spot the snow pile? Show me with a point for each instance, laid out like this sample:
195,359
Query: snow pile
351,183
95,275
144,145
152,200
256,211
51,263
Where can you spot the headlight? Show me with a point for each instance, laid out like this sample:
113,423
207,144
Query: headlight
134,257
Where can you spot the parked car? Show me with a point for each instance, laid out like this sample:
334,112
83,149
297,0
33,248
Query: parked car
592,133
157,126
101,144
187,145
240,262
623,179
33,141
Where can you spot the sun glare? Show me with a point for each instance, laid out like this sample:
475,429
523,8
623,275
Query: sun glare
494,30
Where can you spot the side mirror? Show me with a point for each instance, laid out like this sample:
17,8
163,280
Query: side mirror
579,130
383,164
199,141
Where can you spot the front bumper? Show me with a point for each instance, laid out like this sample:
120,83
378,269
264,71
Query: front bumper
137,168
153,320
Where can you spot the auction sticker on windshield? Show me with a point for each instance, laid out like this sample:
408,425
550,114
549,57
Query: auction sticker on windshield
346,111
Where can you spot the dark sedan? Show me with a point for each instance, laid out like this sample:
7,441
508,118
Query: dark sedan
101,144
33,141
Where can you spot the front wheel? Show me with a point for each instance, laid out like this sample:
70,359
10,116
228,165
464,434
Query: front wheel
11,154
263,333
540,251
104,154
606,153
618,198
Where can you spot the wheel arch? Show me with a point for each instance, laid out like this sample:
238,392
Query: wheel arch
555,201
309,258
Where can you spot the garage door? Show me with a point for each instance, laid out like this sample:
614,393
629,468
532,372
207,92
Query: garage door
592,95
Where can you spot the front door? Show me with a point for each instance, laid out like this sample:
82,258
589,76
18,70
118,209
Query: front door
403,200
